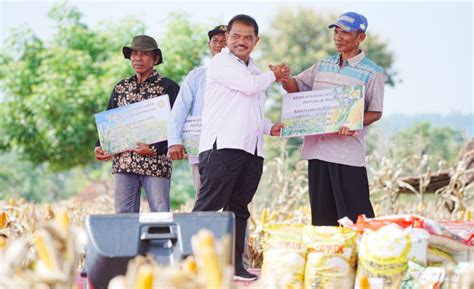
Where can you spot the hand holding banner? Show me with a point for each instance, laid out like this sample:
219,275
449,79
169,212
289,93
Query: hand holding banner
322,111
121,128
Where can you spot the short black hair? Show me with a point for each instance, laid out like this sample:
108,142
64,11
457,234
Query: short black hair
245,19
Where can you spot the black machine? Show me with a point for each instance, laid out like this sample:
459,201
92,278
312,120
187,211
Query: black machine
115,239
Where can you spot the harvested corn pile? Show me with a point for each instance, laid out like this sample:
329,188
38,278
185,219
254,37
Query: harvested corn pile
47,258
210,268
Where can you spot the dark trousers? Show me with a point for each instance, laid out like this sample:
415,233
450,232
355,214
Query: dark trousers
229,180
337,191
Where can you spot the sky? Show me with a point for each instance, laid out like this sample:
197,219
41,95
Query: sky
432,40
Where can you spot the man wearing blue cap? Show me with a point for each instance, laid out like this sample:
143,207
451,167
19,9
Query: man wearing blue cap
337,177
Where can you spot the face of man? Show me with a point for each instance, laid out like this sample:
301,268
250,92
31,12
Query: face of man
347,42
143,61
241,40
216,43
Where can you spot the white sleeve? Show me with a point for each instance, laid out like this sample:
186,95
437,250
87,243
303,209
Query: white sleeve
233,75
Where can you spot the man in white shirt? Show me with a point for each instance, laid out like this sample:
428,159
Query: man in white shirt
189,102
233,124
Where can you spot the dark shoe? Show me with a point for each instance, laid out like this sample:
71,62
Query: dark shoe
244,275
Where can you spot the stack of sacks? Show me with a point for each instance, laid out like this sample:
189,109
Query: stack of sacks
384,254
284,256
465,230
332,257
459,276
444,246
388,252
310,257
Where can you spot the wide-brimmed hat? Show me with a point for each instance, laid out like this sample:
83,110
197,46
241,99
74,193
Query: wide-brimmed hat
218,29
142,43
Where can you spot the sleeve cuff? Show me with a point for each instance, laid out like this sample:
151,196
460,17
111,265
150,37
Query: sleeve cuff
172,142
272,76
267,127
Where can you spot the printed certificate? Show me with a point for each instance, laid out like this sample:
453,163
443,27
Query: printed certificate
121,128
322,111
191,134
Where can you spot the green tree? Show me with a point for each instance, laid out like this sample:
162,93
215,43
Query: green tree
21,179
441,143
184,46
52,88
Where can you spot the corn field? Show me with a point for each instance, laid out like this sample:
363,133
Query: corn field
42,234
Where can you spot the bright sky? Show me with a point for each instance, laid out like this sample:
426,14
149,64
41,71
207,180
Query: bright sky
432,40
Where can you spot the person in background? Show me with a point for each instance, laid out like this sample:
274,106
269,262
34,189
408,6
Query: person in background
190,102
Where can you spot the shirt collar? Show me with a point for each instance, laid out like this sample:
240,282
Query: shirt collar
153,76
227,51
354,60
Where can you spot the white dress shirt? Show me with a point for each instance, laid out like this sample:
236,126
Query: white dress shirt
234,104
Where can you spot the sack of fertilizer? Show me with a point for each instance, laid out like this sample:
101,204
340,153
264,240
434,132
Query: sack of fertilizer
441,236
332,257
284,256
436,256
420,277
383,255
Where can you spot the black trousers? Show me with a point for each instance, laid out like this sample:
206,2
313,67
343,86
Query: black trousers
336,191
229,180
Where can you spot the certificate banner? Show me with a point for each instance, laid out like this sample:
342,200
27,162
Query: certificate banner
191,134
322,111
121,128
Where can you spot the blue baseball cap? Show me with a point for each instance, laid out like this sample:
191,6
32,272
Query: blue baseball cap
351,21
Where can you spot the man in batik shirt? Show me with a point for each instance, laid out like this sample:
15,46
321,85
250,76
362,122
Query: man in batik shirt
147,165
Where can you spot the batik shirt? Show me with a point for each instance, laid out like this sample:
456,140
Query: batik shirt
129,91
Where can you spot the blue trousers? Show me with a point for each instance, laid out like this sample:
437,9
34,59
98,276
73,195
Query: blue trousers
128,189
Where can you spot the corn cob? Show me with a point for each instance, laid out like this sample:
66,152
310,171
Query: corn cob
11,202
364,283
208,262
46,252
263,217
21,201
3,220
144,277
49,212
62,218
3,242
190,265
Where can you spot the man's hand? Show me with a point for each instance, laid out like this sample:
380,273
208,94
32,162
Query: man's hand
346,132
176,152
276,129
289,83
101,155
282,72
144,150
